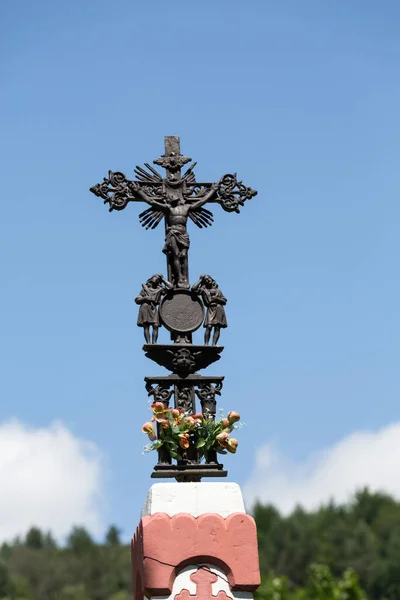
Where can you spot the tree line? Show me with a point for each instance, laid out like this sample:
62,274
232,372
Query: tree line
337,552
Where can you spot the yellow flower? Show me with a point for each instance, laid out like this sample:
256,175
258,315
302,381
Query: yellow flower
233,416
232,445
148,428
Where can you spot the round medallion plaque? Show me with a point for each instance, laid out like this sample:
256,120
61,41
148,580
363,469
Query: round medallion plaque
182,311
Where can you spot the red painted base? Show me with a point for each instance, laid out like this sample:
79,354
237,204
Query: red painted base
162,546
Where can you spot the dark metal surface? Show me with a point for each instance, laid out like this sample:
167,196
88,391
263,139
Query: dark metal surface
185,389
183,358
206,393
194,379
188,472
181,311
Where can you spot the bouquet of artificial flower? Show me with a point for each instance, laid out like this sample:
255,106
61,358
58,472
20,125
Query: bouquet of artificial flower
177,429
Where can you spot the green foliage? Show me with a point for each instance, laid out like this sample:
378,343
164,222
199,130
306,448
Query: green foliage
122,595
5,581
273,588
80,541
320,585
348,587
34,539
74,592
113,536
363,536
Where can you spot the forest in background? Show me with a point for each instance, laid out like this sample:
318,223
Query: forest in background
338,552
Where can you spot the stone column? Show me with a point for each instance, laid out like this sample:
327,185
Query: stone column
195,540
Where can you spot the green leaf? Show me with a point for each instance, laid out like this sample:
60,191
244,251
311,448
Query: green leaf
210,442
200,443
171,442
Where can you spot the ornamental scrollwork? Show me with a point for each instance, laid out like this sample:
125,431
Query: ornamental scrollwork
160,393
184,397
206,393
173,162
116,190
232,193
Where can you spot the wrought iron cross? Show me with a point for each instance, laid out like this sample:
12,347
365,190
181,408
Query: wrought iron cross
175,198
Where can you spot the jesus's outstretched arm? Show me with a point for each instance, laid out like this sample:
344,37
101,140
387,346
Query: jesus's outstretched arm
142,196
206,198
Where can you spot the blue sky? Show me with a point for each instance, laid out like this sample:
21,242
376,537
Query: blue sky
302,100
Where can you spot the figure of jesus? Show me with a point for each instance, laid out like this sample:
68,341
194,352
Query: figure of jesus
176,209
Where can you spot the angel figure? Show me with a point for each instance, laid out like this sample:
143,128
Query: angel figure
214,301
149,300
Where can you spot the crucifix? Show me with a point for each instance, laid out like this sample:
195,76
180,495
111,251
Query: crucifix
175,198
171,302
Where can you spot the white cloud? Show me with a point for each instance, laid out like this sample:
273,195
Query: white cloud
364,458
48,478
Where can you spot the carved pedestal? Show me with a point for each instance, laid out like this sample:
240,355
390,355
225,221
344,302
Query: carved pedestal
195,541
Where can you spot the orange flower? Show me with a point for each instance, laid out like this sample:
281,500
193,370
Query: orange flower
233,416
176,412
225,423
190,421
148,428
184,440
232,445
198,416
159,411
222,439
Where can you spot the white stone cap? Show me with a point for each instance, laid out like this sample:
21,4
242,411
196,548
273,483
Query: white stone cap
194,498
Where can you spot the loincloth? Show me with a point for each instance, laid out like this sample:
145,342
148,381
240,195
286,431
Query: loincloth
181,238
